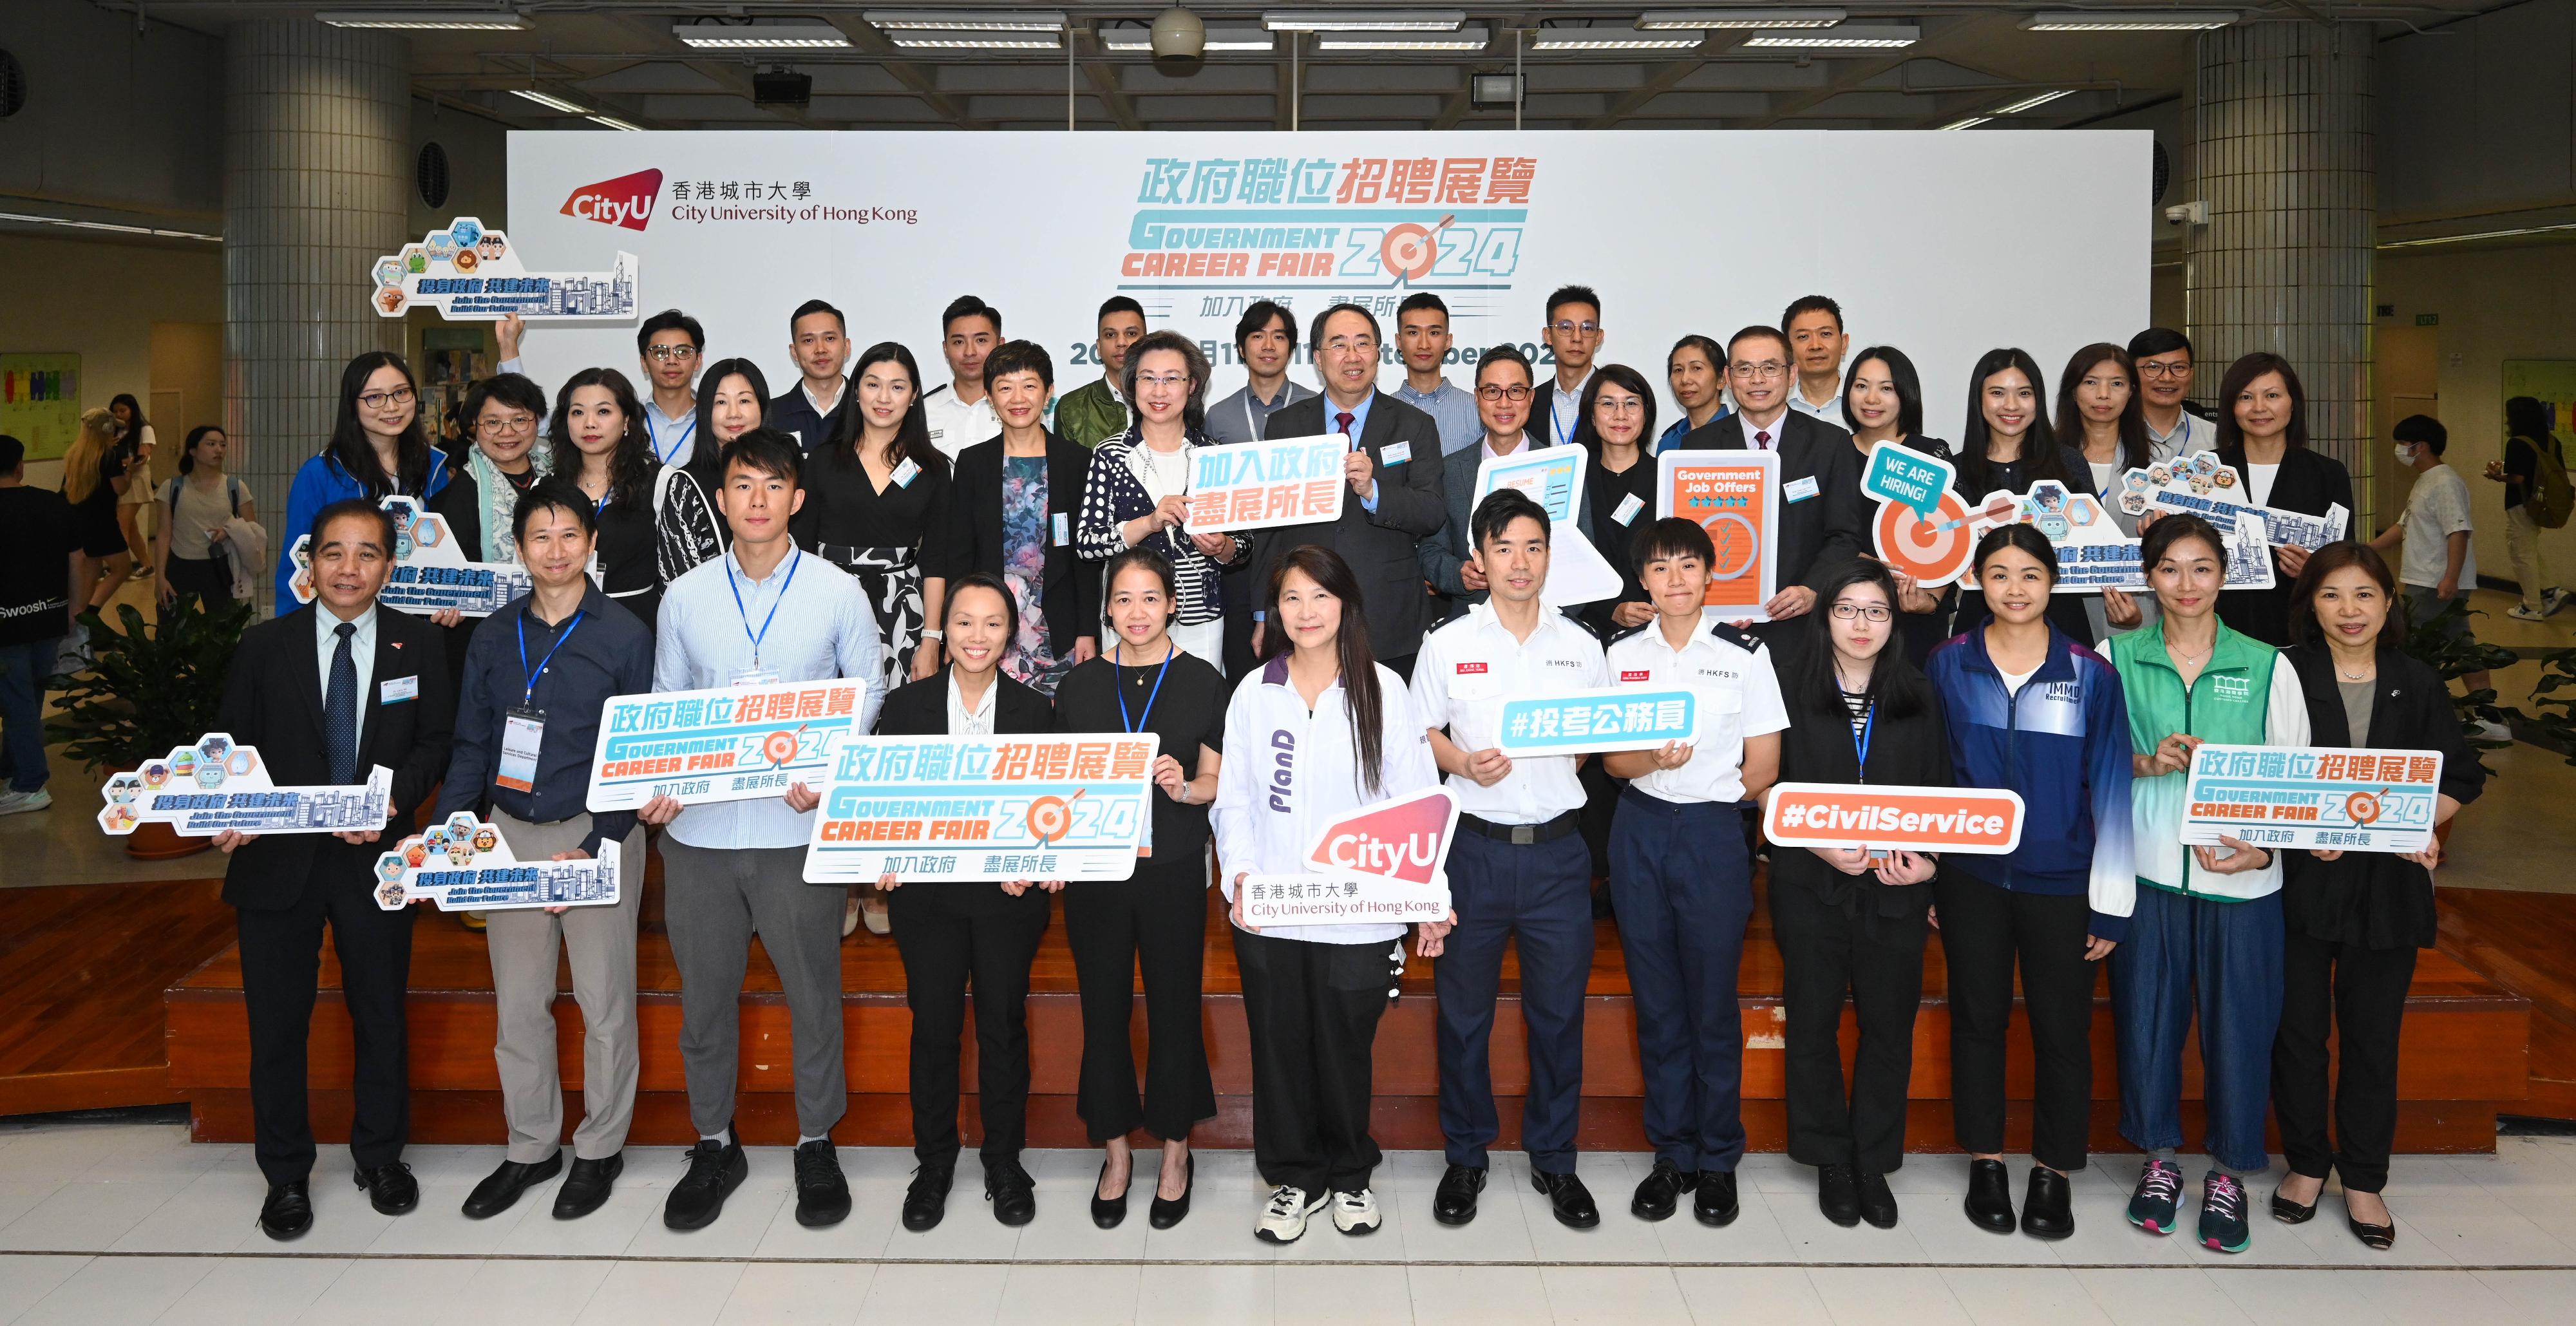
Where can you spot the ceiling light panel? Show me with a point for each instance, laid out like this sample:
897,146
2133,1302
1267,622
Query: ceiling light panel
2034,102
550,101
759,36
1364,20
1464,39
1739,18
1140,37
2130,20
961,20
488,20
971,39
1858,37
1615,39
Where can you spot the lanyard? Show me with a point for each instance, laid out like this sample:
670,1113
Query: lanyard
794,559
1860,739
528,697
1248,420
1137,724
685,434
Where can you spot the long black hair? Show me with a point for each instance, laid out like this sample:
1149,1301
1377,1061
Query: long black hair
134,427
2016,535
414,457
1617,375
911,436
2040,458
2133,416
630,463
1360,691
2528,417
2241,375
1901,375
1896,686
713,378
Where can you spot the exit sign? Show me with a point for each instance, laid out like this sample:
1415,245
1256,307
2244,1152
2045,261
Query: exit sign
2428,319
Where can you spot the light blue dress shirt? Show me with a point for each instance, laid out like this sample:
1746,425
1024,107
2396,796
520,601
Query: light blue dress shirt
1358,430
1452,408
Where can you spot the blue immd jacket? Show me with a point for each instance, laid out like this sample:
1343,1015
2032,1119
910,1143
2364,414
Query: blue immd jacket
320,482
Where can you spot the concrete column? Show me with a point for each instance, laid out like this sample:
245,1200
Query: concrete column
317,127
2284,264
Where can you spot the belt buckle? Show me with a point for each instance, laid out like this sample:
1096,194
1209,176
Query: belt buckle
1524,834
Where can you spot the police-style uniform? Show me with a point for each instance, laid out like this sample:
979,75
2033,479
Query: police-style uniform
956,425
1518,869
1682,888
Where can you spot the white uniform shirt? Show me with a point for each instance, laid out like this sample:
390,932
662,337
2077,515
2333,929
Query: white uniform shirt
955,425
1460,679
1732,672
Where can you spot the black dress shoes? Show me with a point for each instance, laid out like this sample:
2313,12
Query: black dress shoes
822,1194
1990,1196
1713,1201
1567,1196
2375,1237
715,1170
390,1188
1838,1194
1660,1193
1013,1193
1111,1212
2048,1209
499,1191
586,1189
1454,1203
927,1199
1165,1214
1877,1204
2291,1213
288,1212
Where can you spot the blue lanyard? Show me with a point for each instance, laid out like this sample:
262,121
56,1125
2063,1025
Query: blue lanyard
794,559
1860,741
1137,724
685,434
1566,434
529,696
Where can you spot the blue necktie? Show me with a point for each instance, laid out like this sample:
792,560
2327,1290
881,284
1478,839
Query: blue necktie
340,710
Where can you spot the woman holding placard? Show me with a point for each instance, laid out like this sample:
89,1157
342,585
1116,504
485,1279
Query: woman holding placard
1618,416
2355,919
2007,446
1155,920
2207,929
2030,710
1321,730
1138,489
2102,418
2263,436
1845,922
1883,402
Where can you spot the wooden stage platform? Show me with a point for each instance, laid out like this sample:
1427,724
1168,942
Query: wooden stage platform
2465,1057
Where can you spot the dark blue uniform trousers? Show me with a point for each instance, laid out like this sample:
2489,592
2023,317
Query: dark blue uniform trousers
1540,895
1682,889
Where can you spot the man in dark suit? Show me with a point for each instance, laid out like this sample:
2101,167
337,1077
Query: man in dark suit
1820,507
1449,563
1572,334
819,341
327,693
1394,474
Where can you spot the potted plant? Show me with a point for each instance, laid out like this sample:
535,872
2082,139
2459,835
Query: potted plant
150,687
2453,651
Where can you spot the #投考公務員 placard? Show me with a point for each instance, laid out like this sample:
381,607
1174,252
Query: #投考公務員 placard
1553,477
218,785
1598,719
2314,797
1264,484
465,865
731,743
1978,821
1386,862
931,809
1734,495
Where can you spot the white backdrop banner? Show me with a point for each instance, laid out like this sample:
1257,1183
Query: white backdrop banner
1680,232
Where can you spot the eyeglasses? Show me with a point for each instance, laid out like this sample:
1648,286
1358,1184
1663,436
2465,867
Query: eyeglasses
1872,612
1619,405
1162,379
508,423
668,353
1575,328
1767,369
1357,344
377,400
2149,368
1495,391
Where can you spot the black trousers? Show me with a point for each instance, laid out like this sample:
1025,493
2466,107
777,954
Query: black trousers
1878,961
951,935
281,958
1313,1011
2361,994
1156,924
209,578
1984,931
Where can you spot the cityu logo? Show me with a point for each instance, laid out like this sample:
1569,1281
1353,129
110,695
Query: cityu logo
1404,838
625,201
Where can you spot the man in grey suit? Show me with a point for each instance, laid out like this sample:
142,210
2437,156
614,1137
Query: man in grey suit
1503,397
1394,473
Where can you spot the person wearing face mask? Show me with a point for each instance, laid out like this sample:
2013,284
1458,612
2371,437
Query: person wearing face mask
1696,371
1820,505
958,412
2101,417
1097,411
1883,402
2007,446
655,523
2263,436
812,411
1019,495
378,447
2206,937
1137,492
1815,327
2439,565
880,504
2355,919
1502,410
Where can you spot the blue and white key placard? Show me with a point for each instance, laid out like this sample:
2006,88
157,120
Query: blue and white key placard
431,572
1609,718
218,784
731,743
465,865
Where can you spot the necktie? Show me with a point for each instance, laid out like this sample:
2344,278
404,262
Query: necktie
1342,424
340,710
1762,439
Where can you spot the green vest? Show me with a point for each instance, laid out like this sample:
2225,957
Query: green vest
2228,705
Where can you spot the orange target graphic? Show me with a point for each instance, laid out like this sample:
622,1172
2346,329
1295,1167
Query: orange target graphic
1934,552
1051,818
778,747
2363,808
1409,250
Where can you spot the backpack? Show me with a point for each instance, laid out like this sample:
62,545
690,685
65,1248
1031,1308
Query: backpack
233,490
2552,497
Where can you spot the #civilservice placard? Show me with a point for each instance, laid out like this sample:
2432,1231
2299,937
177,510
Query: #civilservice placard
2312,796
730,743
215,785
1068,807
471,274
1260,485
1606,718
1384,862
1978,821
431,572
465,865
1732,494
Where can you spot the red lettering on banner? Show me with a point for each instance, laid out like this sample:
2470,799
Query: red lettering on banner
1471,669
1636,674
1319,497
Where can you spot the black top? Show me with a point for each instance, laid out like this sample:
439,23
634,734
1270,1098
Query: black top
95,515
2065,611
608,653
38,534
2375,899
1189,713
2522,467
1604,491
2308,481
790,412
843,512
1919,631
629,551
920,709
1819,746
1069,592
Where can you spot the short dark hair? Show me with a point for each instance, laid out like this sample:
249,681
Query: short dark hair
1019,357
985,580
1421,299
2017,535
968,306
811,307
2324,562
1672,536
1812,304
1706,345
363,508
2173,527
13,453
1500,508
1572,294
1118,304
671,319
2159,341
508,388
553,492
1757,330
2423,430
763,450
1506,353
1315,335
1258,316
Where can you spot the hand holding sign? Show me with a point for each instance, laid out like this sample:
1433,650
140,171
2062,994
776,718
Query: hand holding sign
1382,862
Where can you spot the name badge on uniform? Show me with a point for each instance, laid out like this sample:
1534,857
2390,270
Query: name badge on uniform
910,470
522,732
1629,506
755,675
1395,453
1799,490
1063,522
397,690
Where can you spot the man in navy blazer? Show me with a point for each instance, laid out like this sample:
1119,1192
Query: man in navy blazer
1821,511
327,693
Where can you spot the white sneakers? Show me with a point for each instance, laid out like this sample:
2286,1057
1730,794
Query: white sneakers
1284,1219
1356,1212
14,803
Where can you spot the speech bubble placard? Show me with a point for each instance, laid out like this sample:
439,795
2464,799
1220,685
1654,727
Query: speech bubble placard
1553,477
1898,473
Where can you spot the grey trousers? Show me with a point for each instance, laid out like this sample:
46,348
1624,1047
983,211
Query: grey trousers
601,941
714,902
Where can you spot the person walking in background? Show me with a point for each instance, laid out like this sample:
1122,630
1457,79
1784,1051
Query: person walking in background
2439,565
2528,438
188,546
95,476
135,441
40,549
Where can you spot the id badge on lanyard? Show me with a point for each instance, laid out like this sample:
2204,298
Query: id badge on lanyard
523,732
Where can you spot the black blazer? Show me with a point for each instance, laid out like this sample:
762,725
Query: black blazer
2309,481
1817,747
920,709
273,700
1821,533
1382,545
790,412
2376,899
1071,601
